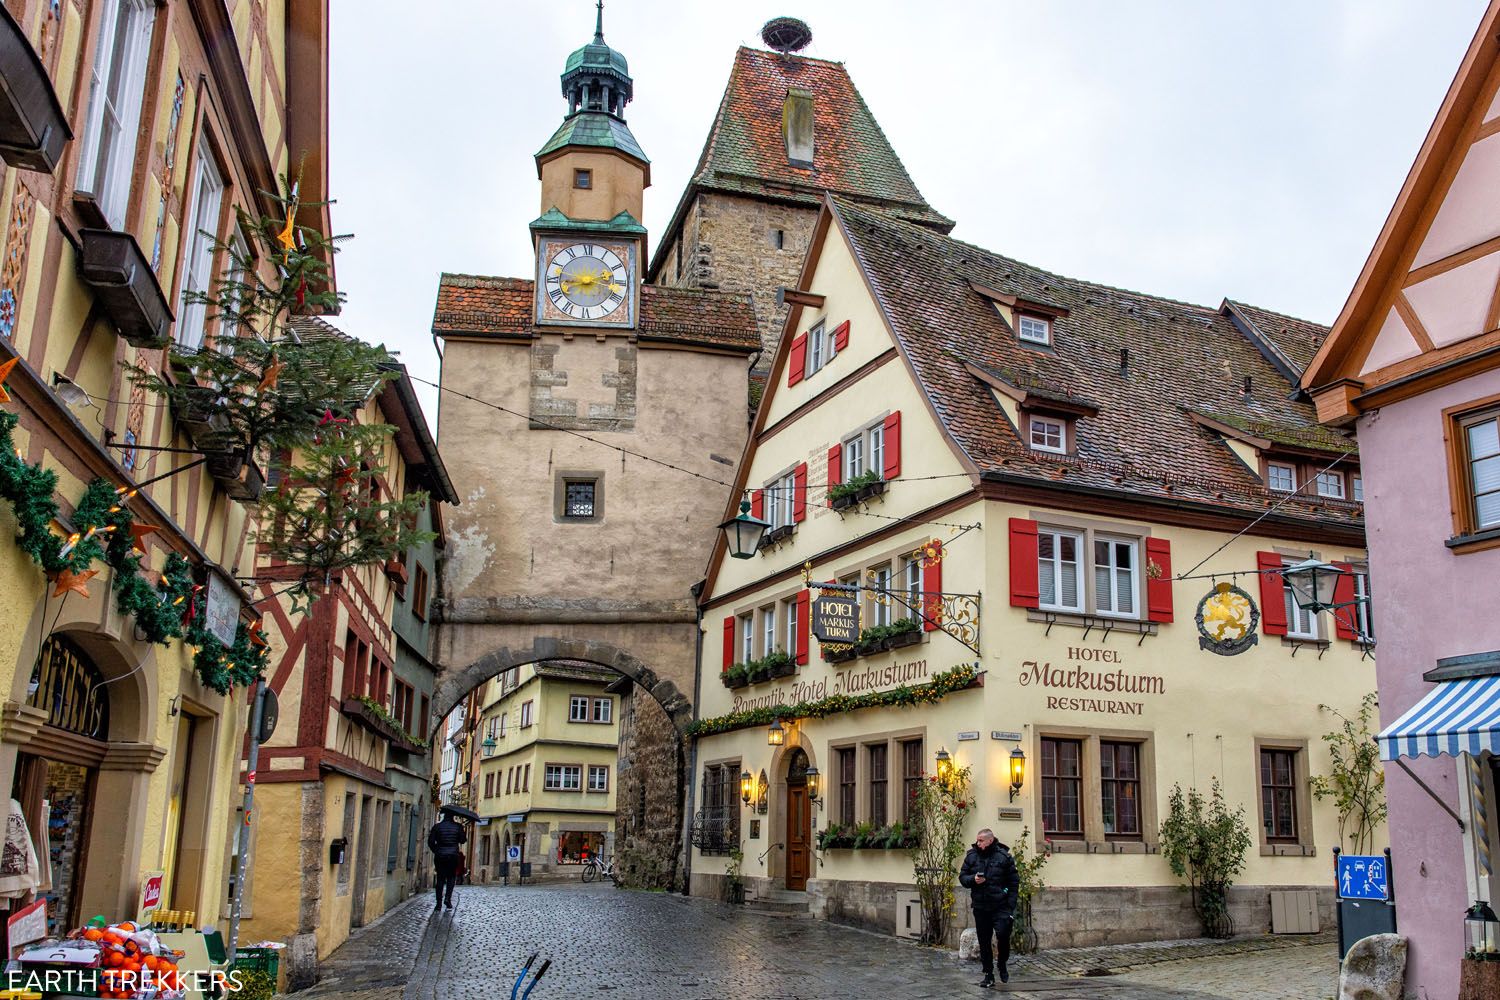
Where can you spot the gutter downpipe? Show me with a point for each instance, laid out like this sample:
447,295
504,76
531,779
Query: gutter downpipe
690,785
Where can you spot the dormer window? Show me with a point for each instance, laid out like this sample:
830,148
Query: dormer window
1048,434
1331,484
1034,329
1281,478
797,127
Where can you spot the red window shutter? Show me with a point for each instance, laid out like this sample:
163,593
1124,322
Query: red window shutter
841,336
1344,620
728,642
1025,584
836,464
804,625
932,587
1272,593
892,446
1159,587
799,493
758,504
798,363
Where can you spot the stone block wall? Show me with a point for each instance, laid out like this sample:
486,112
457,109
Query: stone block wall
869,906
1088,917
648,809
728,242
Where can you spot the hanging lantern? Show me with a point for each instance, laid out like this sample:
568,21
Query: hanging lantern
1017,772
742,534
1313,583
1481,932
776,735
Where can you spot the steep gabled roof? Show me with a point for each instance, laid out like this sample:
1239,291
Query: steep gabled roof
1177,358
478,306
1289,342
746,151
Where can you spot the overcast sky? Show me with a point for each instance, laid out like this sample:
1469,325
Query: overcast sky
1187,149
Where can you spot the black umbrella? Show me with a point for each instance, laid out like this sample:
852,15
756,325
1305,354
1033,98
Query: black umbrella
460,812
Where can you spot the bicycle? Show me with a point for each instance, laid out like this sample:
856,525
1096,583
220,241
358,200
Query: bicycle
597,867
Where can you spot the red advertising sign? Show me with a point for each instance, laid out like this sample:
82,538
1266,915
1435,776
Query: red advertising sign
151,884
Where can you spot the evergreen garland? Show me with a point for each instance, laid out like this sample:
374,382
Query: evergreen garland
174,607
935,690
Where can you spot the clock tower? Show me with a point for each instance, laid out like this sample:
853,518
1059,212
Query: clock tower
589,239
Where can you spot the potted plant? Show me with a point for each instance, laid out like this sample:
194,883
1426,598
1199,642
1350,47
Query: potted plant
842,495
780,664
871,640
903,632
839,653
758,670
872,485
736,676
864,834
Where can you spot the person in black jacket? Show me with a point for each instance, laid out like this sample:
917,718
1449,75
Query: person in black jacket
445,840
989,873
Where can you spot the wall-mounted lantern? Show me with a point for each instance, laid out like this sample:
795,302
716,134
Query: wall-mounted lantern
747,787
763,795
944,767
813,779
1017,772
776,735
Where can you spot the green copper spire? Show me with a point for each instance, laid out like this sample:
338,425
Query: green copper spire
596,77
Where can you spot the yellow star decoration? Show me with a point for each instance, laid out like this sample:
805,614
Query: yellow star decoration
77,583
288,236
5,370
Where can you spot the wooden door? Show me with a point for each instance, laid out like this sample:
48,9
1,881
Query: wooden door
798,837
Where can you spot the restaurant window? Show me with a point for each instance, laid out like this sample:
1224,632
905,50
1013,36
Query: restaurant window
846,778
562,778
767,629
854,457
1278,795
1120,789
911,775
604,710
747,637
876,754
198,263
526,710
1058,570
716,830
1048,434
116,90
1281,478
578,708
1034,329
1115,577
598,777
911,583
574,847
789,615
1062,788
880,601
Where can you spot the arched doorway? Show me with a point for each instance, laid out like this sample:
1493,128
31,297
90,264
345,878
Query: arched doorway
798,821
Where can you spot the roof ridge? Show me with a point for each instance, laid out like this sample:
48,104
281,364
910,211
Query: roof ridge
1275,312
786,55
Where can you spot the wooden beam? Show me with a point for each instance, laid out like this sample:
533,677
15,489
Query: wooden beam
791,296
1452,261
1413,324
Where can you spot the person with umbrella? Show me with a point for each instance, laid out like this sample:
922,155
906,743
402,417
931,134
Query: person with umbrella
445,840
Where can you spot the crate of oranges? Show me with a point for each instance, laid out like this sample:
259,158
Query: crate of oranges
122,961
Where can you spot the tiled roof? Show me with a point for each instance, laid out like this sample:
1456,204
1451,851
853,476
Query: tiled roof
1294,340
1143,441
474,305
746,150
594,128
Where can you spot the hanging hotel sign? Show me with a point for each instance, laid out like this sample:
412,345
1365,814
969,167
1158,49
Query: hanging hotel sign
223,611
1227,619
835,618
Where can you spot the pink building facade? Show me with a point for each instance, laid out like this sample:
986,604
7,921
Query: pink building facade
1414,364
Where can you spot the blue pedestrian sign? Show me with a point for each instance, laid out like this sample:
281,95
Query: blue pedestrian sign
1363,876
513,852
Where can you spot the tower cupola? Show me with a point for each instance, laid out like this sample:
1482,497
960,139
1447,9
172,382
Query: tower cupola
596,77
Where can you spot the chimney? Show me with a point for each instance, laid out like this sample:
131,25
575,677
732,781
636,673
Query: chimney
797,127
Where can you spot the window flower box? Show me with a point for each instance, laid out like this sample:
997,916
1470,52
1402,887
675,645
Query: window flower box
841,655
759,673
33,128
736,676
777,534
120,275
869,645
907,638
866,836
780,665
870,490
842,501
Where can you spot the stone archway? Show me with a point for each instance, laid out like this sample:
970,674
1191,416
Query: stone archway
453,684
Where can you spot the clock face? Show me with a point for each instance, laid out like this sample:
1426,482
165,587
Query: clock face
587,281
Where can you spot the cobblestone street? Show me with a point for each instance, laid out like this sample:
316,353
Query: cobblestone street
650,946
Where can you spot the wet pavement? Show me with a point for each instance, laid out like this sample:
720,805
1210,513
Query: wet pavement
624,945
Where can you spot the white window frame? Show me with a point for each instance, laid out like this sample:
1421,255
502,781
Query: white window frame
198,262
598,770
1364,618
603,711
880,578
1300,624
1034,329
1079,565
790,619
555,778
117,89
237,268
578,708
767,629
1035,423
1114,574
780,497
818,343
1331,484
854,457
747,637
1271,470
1357,488
527,710
911,573
503,717
875,447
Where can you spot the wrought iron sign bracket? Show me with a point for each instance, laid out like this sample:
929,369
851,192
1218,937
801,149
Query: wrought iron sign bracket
1088,623
957,614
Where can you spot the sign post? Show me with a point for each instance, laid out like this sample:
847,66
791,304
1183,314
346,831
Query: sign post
258,732
1366,895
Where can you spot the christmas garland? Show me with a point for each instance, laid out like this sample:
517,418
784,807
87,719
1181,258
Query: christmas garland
172,607
933,691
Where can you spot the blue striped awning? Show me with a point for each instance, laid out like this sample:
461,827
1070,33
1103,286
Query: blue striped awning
1460,716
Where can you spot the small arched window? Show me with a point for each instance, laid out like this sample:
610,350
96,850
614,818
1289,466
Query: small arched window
70,689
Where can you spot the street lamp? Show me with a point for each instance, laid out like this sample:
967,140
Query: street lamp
747,786
1481,931
1313,584
944,767
812,783
743,533
489,746
1017,772
776,735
